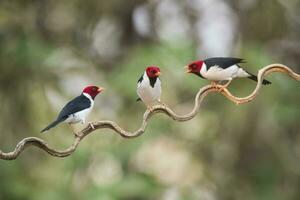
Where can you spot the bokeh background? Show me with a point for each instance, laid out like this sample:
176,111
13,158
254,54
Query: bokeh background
50,50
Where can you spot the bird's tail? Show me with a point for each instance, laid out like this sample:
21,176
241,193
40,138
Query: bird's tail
52,125
254,78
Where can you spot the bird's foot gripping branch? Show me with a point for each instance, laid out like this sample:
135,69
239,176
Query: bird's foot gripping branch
34,141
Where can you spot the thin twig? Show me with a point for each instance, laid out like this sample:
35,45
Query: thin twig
34,141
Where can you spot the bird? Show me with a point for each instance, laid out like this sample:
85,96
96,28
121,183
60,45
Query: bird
77,109
217,69
149,87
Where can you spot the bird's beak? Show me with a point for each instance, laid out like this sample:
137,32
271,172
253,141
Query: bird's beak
157,73
188,70
100,89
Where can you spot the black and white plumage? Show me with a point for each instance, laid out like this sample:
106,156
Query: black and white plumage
149,86
221,69
76,110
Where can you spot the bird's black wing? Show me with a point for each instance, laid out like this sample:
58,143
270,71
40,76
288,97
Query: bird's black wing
140,79
77,104
222,62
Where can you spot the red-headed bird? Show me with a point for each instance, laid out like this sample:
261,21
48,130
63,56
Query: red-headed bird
149,87
221,69
77,109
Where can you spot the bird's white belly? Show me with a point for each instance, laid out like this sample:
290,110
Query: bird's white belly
78,117
149,95
218,74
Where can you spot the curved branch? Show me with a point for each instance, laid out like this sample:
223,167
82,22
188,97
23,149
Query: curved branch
203,92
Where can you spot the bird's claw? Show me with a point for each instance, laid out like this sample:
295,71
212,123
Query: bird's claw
91,125
222,88
214,84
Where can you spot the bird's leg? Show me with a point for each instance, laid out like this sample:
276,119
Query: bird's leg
150,108
73,130
214,83
225,85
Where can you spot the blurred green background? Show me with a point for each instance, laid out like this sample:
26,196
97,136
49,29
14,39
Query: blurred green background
50,50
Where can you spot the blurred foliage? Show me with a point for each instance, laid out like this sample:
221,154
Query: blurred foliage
49,50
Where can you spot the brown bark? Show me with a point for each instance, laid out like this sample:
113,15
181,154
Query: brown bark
204,91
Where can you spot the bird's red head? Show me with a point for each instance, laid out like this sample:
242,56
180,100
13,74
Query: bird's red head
92,90
153,71
194,67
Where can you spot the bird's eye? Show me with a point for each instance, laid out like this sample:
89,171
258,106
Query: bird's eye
194,66
94,89
153,71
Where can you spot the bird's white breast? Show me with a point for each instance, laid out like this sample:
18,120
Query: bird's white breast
216,73
149,95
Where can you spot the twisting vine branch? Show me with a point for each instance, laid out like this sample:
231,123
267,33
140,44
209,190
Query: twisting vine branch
203,92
